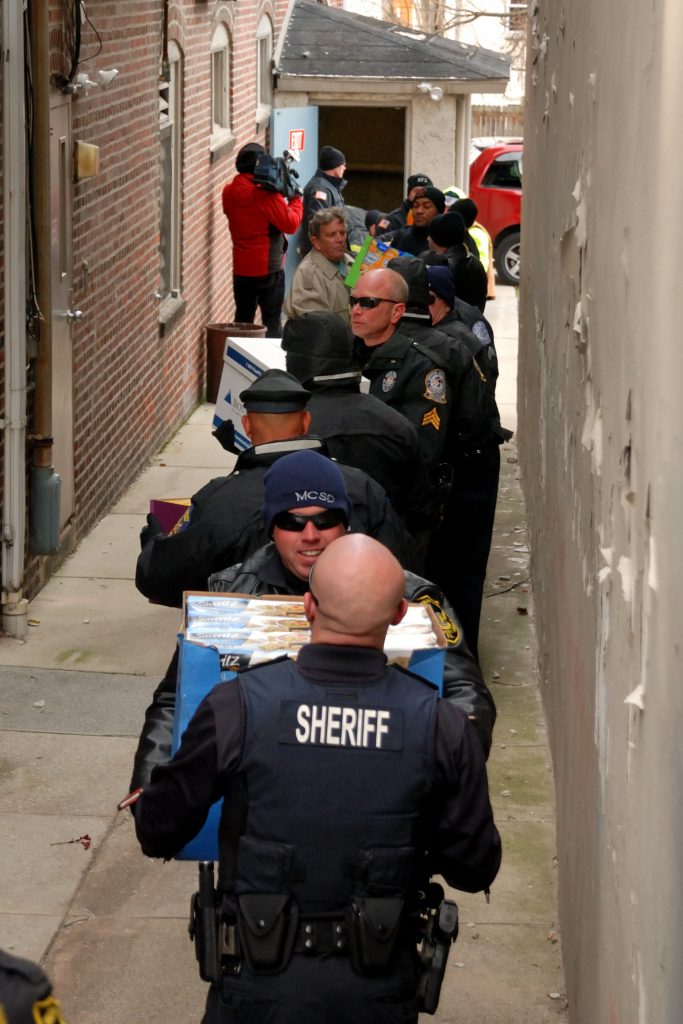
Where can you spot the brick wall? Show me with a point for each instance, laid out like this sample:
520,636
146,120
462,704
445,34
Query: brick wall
134,382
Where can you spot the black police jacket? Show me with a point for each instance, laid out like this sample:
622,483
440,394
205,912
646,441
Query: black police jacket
310,788
225,524
314,189
470,413
412,240
409,378
360,430
485,356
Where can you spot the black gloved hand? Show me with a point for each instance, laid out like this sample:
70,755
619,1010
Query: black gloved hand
152,530
225,435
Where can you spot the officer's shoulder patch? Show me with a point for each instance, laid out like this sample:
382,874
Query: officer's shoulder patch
435,386
47,1011
320,195
480,331
449,627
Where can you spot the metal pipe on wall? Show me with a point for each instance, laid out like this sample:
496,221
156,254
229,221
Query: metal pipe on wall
40,203
14,605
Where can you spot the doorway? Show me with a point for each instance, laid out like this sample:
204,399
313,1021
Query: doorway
373,142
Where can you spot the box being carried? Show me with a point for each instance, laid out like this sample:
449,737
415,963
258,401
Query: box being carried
244,360
225,632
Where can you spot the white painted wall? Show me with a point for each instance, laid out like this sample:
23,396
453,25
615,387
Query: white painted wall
601,435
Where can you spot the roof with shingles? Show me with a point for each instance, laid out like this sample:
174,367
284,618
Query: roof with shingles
324,42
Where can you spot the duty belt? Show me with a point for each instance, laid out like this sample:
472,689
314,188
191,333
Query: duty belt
322,937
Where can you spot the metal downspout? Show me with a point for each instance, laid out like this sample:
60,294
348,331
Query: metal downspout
14,605
40,202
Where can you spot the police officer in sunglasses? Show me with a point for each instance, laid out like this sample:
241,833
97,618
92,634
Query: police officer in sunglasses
402,372
305,508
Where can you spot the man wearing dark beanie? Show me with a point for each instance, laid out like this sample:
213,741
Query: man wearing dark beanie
323,190
258,220
402,216
427,204
447,236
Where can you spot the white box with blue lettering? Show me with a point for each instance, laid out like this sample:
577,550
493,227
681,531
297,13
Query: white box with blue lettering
224,632
244,360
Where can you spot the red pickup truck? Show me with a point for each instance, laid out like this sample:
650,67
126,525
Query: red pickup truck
496,187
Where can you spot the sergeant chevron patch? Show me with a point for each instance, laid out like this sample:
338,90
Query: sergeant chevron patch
432,419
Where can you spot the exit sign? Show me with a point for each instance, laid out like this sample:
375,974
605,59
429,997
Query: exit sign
296,139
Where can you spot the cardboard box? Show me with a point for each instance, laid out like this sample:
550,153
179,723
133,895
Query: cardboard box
244,360
223,631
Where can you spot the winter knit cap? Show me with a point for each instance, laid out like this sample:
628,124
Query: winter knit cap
467,208
418,179
435,196
301,480
413,270
377,219
441,283
245,161
330,158
447,229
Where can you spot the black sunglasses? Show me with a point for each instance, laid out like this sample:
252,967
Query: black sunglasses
295,523
368,301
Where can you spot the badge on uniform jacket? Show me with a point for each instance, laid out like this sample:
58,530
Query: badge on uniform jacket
388,380
435,386
320,195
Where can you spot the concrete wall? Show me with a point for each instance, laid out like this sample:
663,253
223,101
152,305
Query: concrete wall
601,433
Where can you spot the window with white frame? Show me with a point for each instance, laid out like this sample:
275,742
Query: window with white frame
518,17
171,133
264,73
220,86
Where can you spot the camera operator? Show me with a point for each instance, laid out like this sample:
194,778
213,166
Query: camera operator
258,218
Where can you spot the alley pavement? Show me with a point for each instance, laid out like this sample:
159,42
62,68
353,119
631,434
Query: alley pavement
109,925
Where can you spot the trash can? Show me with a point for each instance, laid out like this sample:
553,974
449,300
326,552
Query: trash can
215,347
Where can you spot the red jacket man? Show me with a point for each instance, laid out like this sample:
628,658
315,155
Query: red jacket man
258,219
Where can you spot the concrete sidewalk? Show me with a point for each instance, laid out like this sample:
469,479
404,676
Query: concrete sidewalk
109,925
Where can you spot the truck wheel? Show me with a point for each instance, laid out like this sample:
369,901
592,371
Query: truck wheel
507,259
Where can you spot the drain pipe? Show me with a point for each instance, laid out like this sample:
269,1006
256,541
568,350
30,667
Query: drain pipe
14,605
45,482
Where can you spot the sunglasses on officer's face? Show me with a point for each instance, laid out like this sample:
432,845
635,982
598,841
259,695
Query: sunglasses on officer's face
295,523
368,301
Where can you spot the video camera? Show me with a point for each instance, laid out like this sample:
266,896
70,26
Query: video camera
276,174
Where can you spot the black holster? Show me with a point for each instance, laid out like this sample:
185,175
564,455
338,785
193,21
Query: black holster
267,926
373,925
204,926
440,931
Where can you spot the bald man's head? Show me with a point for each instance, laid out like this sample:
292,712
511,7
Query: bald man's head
356,591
